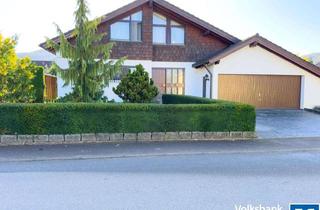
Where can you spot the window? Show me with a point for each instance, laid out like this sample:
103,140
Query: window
124,71
177,33
159,35
175,81
166,31
159,29
169,81
159,19
120,31
127,29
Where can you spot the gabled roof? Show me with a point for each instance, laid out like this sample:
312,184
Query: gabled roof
264,43
166,5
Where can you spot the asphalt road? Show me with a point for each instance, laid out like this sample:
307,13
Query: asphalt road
160,176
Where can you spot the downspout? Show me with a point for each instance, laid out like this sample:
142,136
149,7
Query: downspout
211,79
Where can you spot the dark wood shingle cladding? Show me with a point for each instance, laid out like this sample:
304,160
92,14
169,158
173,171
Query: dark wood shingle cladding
134,50
197,43
201,38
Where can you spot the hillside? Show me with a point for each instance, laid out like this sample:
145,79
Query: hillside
39,55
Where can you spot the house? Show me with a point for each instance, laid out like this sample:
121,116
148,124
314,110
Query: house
54,85
42,58
186,55
50,81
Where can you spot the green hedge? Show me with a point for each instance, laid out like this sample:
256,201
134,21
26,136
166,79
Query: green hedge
114,118
178,99
39,84
317,109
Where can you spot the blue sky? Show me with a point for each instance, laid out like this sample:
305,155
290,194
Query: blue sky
293,24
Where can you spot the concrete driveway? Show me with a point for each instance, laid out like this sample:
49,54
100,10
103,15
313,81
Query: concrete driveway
287,124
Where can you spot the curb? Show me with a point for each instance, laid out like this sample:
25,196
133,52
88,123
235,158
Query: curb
20,140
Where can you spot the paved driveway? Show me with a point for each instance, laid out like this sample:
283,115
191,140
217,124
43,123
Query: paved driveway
287,124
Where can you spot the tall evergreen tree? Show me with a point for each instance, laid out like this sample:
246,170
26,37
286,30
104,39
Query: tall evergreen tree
90,68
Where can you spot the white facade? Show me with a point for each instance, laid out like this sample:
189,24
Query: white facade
62,90
193,77
256,60
248,60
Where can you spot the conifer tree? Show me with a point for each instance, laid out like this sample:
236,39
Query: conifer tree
90,68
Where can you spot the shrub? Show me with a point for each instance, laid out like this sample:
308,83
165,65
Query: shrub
114,118
178,99
74,97
39,84
137,87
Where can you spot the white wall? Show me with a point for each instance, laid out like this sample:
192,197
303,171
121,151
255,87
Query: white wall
257,60
193,77
62,90
245,61
108,92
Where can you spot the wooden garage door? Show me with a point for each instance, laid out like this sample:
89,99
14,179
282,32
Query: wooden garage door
262,91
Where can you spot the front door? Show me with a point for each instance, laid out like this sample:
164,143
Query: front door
169,80
159,78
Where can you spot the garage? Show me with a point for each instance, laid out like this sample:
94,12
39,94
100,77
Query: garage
262,91
259,72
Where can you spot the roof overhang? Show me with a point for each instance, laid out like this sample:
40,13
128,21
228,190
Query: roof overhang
258,40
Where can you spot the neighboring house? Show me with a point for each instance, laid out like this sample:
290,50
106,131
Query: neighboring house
45,59
51,81
186,55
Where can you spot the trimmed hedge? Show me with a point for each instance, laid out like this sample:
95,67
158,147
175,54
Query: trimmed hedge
178,99
39,84
317,109
126,118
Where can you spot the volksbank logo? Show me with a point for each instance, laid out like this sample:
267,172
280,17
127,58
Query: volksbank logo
258,207
304,207
278,207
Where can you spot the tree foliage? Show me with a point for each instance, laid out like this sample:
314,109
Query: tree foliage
8,56
90,68
20,83
16,75
8,63
308,59
137,87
